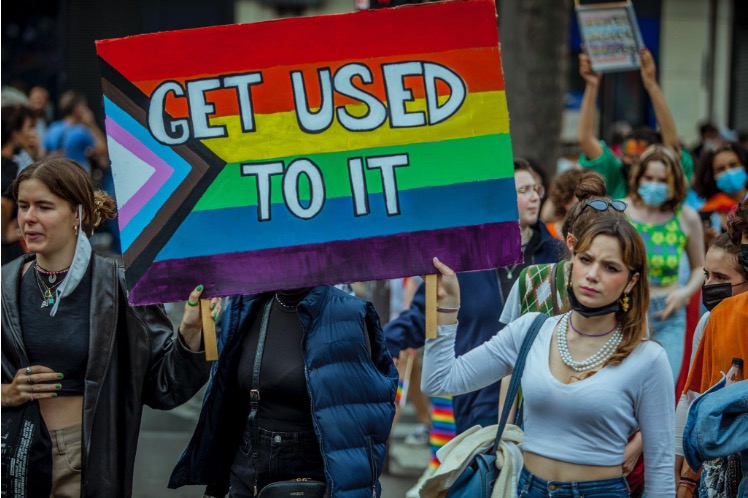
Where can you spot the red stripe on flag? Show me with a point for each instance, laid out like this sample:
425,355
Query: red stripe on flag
433,27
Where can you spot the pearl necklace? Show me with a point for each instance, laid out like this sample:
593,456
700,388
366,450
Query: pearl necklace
606,351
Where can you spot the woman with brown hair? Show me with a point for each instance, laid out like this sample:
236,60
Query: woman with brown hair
74,350
591,376
671,231
562,197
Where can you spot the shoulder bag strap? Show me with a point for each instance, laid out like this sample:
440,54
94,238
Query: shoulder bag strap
254,393
554,291
519,366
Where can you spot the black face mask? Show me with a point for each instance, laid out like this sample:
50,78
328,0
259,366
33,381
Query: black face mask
712,295
588,312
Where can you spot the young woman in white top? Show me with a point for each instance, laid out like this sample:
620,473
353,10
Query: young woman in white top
591,377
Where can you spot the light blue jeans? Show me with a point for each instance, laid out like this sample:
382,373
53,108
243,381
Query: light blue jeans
531,486
670,333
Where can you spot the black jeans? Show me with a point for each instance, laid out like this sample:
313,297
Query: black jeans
281,456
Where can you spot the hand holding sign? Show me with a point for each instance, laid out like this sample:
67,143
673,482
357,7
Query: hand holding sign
380,139
585,71
648,68
193,320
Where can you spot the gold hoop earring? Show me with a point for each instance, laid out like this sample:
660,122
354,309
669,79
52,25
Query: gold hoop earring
625,304
75,230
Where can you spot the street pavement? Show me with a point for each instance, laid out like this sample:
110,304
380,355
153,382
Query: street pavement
164,435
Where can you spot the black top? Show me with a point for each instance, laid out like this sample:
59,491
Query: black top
58,342
284,400
9,172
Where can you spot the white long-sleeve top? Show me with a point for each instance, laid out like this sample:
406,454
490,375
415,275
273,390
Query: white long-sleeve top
587,422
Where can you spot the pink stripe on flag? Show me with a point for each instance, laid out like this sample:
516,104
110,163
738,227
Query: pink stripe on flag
154,183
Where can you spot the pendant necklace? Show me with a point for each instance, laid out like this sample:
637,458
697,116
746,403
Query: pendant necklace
46,290
51,275
510,271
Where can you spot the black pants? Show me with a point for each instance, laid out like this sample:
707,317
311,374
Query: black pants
281,456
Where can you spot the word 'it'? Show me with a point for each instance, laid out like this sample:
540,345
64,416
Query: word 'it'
311,208
350,80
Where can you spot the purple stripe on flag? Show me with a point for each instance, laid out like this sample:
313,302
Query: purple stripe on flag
152,185
463,249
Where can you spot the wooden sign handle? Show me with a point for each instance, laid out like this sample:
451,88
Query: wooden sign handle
431,284
209,331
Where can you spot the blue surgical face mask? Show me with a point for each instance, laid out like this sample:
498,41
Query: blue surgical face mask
653,194
732,180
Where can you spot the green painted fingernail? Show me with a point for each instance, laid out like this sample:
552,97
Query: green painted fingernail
200,287
58,386
212,306
59,376
213,315
54,395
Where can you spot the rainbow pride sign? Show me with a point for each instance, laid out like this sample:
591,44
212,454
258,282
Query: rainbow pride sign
310,151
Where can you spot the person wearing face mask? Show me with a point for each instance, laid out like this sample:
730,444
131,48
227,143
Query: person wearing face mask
722,181
724,338
75,353
724,278
671,231
597,156
591,377
485,293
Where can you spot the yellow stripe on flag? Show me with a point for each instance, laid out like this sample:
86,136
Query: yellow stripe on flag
278,135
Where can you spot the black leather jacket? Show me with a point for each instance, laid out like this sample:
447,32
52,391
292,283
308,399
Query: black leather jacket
133,360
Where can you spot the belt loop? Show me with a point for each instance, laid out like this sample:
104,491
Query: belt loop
575,489
530,479
60,442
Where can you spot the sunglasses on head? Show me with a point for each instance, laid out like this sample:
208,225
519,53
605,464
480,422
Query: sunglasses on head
600,205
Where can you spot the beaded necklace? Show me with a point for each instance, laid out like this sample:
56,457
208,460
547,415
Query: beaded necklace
51,275
46,290
606,351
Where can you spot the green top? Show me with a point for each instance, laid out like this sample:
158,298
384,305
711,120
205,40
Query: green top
665,243
536,285
611,168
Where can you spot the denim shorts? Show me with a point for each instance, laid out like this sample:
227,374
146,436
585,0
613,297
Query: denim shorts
281,456
670,333
531,486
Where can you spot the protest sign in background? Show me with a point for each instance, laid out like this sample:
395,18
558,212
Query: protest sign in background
310,151
611,35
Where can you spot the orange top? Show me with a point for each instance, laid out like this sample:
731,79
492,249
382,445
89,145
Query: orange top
552,230
725,338
719,202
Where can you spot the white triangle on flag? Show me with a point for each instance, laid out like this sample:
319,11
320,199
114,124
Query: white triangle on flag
129,171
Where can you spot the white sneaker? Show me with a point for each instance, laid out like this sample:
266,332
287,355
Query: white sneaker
414,492
419,436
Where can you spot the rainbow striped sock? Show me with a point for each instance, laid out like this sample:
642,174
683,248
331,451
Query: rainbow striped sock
442,425
399,395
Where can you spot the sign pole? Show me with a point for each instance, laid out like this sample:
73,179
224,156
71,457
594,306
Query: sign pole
209,331
430,306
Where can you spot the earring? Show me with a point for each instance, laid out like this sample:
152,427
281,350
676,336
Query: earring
75,230
625,305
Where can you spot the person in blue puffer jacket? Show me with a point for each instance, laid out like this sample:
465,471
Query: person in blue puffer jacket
324,406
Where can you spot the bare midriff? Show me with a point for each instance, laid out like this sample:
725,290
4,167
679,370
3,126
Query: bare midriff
61,412
555,470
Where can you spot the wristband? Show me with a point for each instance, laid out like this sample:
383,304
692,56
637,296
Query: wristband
686,484
447,310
